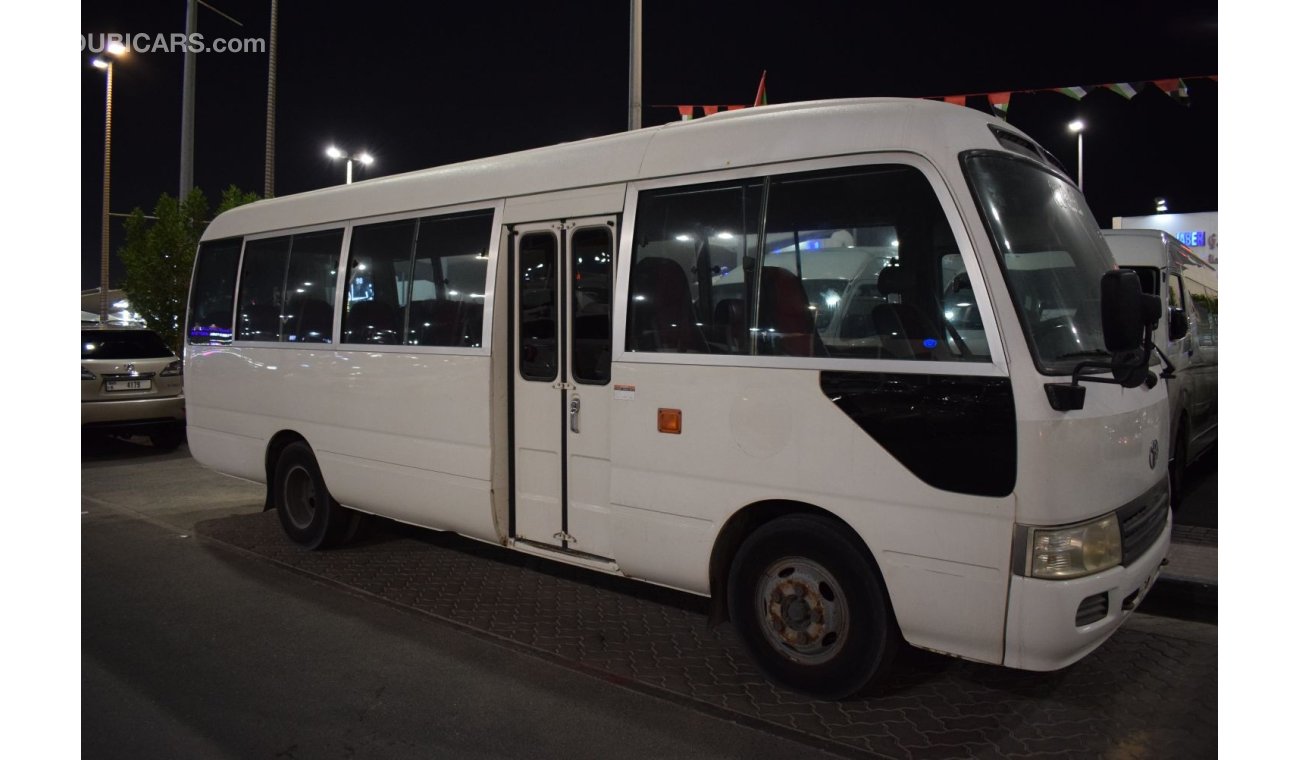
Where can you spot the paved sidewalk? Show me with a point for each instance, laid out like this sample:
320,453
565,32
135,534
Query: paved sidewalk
1188,587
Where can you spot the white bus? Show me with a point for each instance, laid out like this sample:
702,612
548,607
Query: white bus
820,362
1189,336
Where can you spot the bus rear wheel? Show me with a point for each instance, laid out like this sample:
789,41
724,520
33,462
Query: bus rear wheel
811,608
308,514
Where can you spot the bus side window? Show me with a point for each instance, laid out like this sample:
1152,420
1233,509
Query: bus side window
861,263
449,281
212,300
379,270
310,285
692,283
261,289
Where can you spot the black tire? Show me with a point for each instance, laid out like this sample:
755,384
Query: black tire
810,606
308,514
1178,466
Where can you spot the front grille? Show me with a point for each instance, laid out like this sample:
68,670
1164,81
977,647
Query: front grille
1142,520
1092,609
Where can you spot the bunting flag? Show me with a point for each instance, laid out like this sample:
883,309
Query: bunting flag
1001,102
1124,89
1174,88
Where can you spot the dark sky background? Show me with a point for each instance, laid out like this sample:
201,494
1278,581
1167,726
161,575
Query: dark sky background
432,83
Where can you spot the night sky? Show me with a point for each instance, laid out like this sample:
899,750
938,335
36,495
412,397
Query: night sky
426,84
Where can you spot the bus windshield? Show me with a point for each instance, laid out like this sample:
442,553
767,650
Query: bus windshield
1052,253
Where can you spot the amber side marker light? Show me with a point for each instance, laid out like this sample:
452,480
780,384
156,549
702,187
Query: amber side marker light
670,421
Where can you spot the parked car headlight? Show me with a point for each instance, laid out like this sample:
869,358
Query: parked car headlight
174,369
87,374
1076,550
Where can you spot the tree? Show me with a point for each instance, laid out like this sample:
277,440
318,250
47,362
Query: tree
159,257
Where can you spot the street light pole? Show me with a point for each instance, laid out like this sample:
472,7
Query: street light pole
1076,126
106,64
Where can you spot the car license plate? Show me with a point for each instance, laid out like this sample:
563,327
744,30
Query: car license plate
128,385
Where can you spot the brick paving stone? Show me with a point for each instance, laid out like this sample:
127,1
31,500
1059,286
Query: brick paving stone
1140,695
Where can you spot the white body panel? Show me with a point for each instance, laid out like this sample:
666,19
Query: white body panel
423,435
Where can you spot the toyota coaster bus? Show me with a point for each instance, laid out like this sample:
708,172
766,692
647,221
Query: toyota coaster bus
861,371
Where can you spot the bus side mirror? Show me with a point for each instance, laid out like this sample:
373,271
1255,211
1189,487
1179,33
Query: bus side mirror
1121,310
1128,317
1178,325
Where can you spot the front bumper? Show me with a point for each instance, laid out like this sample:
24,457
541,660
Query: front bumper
1041,630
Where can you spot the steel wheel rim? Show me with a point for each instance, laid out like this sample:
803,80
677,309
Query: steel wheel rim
802,610
300,497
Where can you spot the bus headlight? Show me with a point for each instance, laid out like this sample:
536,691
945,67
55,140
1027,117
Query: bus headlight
1074,551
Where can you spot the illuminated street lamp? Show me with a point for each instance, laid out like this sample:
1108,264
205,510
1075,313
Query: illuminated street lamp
364,158
105,64
1076,126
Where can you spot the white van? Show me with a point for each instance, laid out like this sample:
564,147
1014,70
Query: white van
824,363
1188,335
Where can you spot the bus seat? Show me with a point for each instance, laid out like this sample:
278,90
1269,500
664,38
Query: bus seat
785,317
904,329
315,322
662,310
371,322
259,322
730,323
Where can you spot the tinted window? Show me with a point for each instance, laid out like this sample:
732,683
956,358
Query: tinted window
310,286
1205,304
379,276
694,253
854,263
861,263
449,283
212,294
261,289
123,344
592,265
538,282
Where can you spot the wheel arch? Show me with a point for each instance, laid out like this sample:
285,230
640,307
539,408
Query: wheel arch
743,522
278,443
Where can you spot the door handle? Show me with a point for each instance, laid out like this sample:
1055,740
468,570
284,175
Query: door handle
575,405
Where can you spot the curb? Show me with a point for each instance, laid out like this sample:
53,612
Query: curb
1185,598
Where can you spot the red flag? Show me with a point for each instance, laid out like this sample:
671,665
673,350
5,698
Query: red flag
709,110
761,98
957,100
686,111
1001,102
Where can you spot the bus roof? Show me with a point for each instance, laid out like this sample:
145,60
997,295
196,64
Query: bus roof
752,136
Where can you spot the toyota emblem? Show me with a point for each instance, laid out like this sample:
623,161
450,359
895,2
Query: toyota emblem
1154,455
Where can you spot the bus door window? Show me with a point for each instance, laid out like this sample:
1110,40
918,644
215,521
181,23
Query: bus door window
538,283
591,266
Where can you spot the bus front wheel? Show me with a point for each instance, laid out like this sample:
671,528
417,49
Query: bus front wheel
308,514
811,608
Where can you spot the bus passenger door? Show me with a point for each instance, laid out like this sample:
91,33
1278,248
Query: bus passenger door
563,281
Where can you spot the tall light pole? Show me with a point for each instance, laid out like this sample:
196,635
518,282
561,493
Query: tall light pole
364,158
105,63
1076,126
634,68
